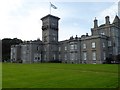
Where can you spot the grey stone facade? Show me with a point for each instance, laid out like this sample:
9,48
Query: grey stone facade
28,52
91,49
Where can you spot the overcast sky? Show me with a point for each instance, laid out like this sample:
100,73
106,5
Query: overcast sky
21,18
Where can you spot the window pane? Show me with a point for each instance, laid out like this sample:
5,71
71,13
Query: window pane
103,45
65,57
72,56
54,56
93,45
84,46
84,56
65,47
59,56
75,46
94,55
59,48
71,47
104,55
109,43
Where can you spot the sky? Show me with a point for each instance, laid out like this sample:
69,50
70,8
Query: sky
21,18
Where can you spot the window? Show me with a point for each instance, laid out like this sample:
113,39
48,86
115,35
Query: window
35,59
84,56
65,57
93,45
38,48
72,47
65,48
40,57
94,55
72,56
103,44
75,46
75,56
54,56
104,55
59,56
27,48
84,46
94,61
102,33
59,48
24,52
54,38
44,57
45,49
109,43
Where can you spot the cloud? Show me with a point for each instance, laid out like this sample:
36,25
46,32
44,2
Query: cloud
21,19
111,11
14,22
6,6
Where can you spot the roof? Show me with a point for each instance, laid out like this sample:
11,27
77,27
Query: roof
49,15
102,25
116,20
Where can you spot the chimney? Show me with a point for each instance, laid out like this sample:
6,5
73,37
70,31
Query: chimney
107,20
95,23
87,34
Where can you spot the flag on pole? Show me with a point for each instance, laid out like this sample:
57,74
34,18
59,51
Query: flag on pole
53,6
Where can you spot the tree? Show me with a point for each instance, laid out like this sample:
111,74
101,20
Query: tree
6,47
108,60
118,58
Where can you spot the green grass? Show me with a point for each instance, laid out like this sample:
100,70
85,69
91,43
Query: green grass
49,75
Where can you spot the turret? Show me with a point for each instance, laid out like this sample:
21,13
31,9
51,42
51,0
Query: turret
116,20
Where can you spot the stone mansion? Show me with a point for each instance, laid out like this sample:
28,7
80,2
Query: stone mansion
91,49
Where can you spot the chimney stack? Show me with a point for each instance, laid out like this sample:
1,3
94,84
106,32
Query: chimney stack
95,23
107,20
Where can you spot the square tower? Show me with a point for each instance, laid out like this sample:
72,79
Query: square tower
50,37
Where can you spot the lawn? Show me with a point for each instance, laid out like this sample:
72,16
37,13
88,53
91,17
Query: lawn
48,75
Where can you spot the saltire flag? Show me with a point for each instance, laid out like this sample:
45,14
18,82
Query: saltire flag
53,6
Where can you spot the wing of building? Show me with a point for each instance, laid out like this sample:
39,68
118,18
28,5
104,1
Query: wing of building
103,43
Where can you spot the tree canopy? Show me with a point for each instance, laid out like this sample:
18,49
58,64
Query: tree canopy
6,47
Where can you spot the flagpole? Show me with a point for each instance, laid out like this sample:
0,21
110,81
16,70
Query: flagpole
50,7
